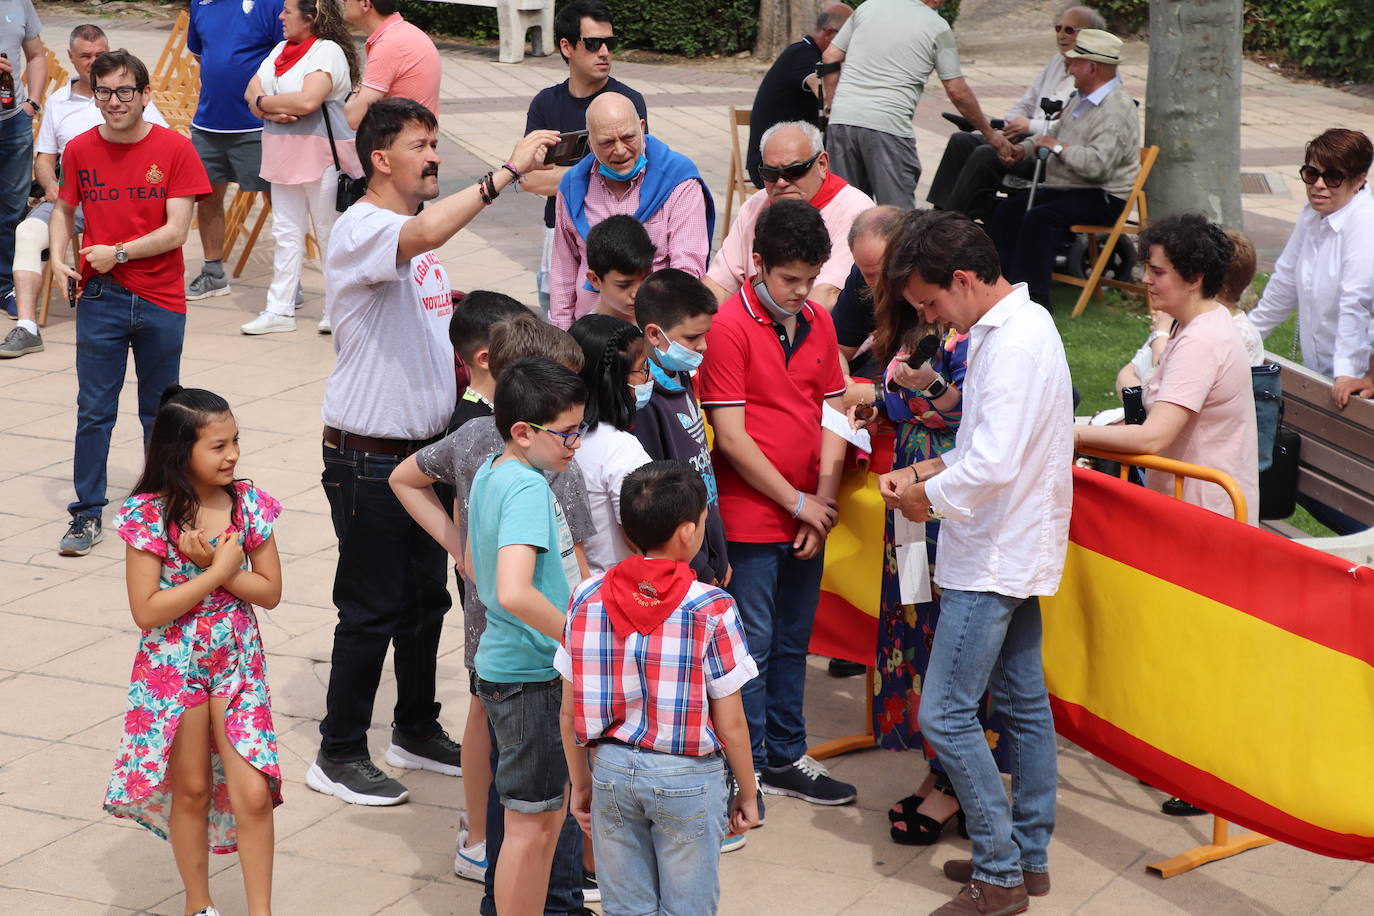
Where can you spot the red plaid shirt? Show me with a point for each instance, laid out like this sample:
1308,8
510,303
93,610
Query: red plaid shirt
651,690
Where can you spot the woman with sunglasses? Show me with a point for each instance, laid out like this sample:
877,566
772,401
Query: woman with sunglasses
615,366
1326,270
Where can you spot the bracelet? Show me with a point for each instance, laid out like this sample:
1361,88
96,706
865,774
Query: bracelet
1155,335
257,103
915,475
487,188
515,173
801,501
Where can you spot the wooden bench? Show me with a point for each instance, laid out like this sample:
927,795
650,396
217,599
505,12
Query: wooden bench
514,18
1336,461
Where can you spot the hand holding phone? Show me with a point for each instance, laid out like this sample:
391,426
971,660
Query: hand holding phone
71,292
570,148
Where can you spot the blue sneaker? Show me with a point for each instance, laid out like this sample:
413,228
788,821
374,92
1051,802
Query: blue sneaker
731,843
469,862
11,306
82,534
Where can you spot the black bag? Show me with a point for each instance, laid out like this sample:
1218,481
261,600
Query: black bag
1268,387
350,190
1278,485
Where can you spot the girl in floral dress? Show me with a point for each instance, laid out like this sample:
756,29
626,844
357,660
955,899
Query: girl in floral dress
197,762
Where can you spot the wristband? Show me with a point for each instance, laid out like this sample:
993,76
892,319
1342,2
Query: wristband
1155,335
515,173
801,501
257,103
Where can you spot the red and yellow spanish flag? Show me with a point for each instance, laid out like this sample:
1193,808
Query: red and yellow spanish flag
1218,662
847,613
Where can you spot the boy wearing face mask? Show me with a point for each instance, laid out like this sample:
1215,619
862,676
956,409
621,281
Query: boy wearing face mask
773,361
674,310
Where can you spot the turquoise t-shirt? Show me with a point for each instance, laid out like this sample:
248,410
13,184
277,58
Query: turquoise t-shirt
511,503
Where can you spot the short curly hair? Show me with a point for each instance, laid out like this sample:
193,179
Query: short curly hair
1195,246
790,231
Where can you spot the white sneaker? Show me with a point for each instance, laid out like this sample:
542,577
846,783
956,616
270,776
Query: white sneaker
208,911
469,862
267,323
324,327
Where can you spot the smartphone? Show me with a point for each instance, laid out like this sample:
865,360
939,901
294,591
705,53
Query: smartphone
570,148
71,291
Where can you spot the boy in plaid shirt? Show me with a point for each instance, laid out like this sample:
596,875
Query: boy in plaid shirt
647,651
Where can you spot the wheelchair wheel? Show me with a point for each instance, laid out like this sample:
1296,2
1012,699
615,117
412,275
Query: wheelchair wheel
1120,266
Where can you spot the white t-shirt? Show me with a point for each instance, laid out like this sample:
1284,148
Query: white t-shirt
606,456
66,116
393,371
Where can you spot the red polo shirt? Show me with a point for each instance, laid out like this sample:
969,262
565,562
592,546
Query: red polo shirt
746,366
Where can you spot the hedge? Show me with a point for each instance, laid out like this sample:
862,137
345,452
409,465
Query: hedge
688,27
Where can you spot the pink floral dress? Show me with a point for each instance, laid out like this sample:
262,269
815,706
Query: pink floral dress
213,650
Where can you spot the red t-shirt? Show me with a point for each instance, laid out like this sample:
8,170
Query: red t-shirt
123,189
745,365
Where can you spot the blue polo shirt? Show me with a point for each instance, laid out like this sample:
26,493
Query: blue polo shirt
240,33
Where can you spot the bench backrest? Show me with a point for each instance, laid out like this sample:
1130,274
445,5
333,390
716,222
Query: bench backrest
1336,463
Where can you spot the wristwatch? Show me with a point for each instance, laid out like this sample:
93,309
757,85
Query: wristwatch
1057,149
121,256
36,107
937,389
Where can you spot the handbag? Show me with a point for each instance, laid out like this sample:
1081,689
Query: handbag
350,190
1268,387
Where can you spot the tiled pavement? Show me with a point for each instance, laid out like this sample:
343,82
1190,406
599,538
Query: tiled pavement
67,636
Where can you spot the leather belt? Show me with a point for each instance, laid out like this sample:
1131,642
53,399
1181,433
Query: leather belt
337,438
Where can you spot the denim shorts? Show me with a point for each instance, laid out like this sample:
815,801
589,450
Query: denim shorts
531,771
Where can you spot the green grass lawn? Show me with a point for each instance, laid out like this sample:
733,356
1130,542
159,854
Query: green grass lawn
1100,341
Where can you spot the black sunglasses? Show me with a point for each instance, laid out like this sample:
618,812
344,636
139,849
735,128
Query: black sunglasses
790,172
1334,179
594,44
1067,29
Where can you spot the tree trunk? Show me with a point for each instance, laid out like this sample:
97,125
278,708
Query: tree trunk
1192,108
782,22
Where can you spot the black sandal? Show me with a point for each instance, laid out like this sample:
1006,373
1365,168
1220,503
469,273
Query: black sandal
921,830
905,809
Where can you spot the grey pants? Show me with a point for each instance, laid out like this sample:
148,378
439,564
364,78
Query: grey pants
882,165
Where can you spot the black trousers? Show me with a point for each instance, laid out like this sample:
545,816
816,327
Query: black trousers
1026,241
970,174
390,588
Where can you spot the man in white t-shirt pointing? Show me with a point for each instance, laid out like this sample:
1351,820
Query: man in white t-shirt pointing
391,393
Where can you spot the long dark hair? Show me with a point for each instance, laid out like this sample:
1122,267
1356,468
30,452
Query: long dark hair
180,415
606,342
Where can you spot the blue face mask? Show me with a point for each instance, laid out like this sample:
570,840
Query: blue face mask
643,393
678,358
633,173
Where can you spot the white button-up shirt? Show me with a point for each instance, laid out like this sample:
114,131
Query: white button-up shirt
1326,271
1007,488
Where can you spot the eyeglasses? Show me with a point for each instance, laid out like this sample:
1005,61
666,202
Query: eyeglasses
570,440
124,93
1334,179
790,172
594,43
642,373
1067,29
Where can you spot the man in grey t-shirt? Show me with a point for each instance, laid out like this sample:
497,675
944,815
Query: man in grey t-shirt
889,48
19,40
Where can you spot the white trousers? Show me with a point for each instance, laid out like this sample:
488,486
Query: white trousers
294,206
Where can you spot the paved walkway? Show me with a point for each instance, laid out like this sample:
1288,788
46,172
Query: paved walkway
68,639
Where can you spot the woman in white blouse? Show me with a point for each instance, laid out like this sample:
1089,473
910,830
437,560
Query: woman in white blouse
1326,270
305,80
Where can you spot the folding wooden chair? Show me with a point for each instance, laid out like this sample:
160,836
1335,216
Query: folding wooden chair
236,218
172,51
57,78
1101,254
738,185
180,93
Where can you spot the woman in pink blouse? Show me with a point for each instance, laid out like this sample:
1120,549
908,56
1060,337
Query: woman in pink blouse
299,92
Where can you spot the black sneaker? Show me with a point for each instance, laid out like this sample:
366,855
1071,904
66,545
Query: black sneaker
438,753
82,534
357,782
591,891
808,780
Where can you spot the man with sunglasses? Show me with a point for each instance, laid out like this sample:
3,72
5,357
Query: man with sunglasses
889,49
586,40
402,62
970,170
794,166
136,184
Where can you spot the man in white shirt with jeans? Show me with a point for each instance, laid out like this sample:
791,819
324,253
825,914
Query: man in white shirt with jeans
1005,492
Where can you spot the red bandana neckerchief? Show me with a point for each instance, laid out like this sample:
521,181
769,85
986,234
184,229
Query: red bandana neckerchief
292,54
832,185
639,593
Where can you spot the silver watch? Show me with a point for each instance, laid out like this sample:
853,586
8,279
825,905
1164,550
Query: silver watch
121,256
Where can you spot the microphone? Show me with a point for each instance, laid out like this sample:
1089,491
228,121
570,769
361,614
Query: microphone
926,348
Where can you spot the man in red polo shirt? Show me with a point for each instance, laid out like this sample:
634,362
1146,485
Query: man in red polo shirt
402,62
771,362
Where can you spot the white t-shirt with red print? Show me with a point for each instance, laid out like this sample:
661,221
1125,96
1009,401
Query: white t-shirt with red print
393,372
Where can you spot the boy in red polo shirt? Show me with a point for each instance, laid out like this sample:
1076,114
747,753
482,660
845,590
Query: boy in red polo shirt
771,361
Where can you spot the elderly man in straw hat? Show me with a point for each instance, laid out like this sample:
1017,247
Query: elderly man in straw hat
1094,156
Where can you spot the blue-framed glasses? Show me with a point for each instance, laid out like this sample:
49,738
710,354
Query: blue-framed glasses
570,440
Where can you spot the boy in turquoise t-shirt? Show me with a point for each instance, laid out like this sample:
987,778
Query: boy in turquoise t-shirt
521,557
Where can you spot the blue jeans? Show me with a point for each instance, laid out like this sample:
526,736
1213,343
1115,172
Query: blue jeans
110,321
16,176
657,829
777,595
531,772
989,642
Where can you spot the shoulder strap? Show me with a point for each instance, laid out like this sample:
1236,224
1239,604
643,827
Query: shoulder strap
324,110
